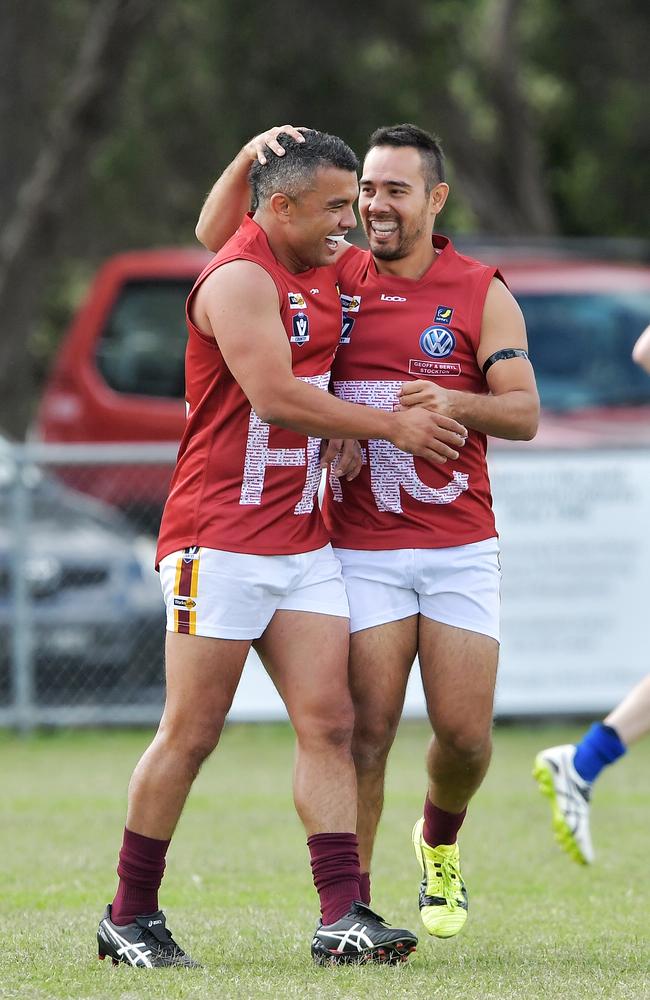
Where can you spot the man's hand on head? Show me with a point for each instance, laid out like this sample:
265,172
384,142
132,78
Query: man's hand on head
257,148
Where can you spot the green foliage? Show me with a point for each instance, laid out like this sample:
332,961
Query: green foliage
543,114
539,926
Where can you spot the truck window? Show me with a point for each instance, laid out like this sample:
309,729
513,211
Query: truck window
581,347
141,350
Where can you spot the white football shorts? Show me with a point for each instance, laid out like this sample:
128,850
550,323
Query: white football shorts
457,586
233,595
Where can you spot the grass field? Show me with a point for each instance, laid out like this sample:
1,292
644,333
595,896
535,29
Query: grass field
539,926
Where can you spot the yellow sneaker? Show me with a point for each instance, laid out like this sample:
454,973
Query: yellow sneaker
443,896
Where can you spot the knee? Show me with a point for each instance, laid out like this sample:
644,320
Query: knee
468,743
332,732
373,737
193,742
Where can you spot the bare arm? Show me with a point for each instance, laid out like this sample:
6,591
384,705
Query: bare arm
238,304
229,199
641,350
511,410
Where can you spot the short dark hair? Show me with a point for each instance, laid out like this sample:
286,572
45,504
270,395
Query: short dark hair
293,173
428,146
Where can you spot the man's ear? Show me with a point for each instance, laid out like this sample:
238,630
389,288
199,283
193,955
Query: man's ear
280,206
438,197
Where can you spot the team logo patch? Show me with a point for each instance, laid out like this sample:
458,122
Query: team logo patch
443,314
437,341
192,553
300,325
296,300
346,330
184,602
351,303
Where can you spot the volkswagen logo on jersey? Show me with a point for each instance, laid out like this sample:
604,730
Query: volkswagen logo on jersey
437,341
300,325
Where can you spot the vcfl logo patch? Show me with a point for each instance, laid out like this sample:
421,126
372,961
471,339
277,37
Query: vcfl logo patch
300,325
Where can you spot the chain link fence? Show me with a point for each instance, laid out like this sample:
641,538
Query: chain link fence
81,611
82,615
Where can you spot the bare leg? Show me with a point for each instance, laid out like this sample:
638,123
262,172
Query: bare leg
458,674
306,656
380,662
631,718
202,677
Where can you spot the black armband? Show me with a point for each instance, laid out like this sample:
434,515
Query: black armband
505,355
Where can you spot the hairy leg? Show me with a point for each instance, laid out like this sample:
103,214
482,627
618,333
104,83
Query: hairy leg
202,677
380,662
458,675
306,656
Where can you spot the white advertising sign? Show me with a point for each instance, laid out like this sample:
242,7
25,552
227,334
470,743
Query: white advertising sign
575,553
575,550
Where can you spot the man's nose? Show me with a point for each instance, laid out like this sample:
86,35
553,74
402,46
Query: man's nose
349,218
376,203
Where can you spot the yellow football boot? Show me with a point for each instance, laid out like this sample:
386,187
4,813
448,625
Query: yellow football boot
443,896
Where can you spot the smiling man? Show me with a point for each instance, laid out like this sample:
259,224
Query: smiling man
423,327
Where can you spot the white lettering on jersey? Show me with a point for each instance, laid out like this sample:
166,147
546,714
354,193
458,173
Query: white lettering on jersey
259,456
390,468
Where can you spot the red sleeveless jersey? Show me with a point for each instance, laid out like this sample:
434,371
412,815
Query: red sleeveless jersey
241,484
396,330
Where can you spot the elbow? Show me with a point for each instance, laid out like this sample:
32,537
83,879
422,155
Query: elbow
202,235
527,424
642,357
530,425
268,407
529,432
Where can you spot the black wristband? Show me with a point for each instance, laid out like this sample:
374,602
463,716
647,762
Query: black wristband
505,355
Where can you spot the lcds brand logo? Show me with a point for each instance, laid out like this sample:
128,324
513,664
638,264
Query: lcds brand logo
392,298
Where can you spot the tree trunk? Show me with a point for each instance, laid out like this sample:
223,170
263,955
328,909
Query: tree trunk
45,200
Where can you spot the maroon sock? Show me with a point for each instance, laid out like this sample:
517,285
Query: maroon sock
336,872
141,867
364,888
440,827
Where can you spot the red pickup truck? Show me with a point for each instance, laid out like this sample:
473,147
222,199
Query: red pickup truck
119,374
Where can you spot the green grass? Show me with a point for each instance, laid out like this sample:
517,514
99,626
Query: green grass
539,925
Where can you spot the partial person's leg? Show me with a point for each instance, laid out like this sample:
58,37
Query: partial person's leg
631,718
458,674
565,774
380,662
202,677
